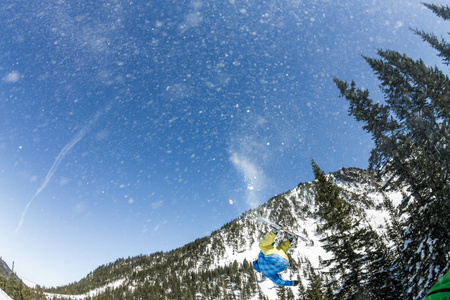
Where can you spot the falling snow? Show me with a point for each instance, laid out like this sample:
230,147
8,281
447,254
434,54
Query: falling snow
136,127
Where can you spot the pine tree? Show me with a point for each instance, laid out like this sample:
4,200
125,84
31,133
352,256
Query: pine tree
336,213
332,208
411,134
281,293
360,257
314,290
301,290
290,294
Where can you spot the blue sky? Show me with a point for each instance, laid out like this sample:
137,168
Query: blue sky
134,127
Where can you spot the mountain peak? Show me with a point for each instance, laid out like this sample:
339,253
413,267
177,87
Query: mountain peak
5,271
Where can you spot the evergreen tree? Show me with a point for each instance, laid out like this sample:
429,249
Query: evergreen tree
411,134
290,294
337,223
314,290
281,293
334,211
301,289
360,257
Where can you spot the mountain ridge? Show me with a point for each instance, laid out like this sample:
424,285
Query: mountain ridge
225,256
5,270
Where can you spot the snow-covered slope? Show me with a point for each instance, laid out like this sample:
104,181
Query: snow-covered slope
91,293
301,205
237,242
4,296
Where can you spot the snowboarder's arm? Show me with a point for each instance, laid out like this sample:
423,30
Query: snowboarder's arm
279,281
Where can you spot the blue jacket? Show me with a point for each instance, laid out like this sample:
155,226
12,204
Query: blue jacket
272,261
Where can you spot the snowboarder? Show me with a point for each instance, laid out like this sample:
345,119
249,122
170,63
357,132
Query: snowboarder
271,260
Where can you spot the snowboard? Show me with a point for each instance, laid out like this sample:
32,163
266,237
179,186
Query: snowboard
279,227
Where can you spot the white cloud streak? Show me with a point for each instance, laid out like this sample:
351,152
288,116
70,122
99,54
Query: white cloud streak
254,177
12,77
78,137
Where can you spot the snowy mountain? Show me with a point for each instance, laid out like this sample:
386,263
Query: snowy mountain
5,271
219,266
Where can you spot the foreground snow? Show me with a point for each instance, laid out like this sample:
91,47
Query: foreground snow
4,296
92,293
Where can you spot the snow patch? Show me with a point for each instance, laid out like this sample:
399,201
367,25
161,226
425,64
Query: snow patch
92,293
4,296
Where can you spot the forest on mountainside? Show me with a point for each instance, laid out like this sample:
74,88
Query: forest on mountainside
17,290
